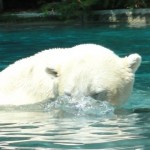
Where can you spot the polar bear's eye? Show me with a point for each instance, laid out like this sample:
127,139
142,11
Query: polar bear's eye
102,95
52,72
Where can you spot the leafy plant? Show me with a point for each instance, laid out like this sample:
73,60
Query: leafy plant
136,4
70,9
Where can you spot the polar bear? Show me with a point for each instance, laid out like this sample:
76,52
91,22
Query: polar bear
87,69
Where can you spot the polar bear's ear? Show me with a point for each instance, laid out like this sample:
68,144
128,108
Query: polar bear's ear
52,72
134,61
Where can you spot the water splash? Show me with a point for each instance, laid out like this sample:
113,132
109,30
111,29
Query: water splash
79,106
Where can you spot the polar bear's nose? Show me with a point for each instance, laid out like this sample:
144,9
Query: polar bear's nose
101,95
67,93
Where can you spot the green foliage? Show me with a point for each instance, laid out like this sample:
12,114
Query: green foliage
88,3
136,4
70,9
73,5
48,7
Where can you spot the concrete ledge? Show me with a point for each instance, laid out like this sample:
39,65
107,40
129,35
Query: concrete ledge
130,16
133,17
25,14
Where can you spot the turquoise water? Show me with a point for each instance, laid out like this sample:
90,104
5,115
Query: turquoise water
81,125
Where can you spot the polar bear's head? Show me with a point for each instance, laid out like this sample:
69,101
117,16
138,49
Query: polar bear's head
85,70
97,72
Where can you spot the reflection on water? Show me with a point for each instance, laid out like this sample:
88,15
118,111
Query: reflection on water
26,130
82,124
